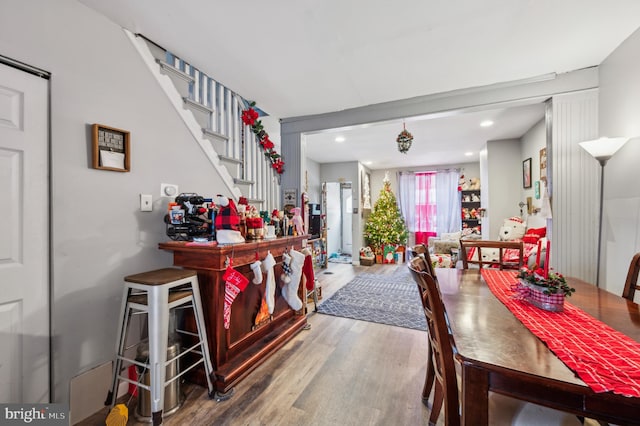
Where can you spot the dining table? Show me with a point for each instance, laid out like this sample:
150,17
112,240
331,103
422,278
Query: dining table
498,353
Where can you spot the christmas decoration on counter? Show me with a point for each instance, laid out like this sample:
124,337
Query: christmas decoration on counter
385,225
404,140
227,222
250,118
234,284
297,222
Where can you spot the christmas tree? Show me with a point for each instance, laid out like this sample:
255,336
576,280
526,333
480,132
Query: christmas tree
385,225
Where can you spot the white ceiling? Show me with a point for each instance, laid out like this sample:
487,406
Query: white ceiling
300,57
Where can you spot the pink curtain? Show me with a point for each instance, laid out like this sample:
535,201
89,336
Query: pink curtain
425,206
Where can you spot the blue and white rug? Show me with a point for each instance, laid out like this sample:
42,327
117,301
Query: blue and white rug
391,299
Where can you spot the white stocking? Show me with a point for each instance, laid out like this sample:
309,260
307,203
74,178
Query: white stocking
257,272
290,290
270,288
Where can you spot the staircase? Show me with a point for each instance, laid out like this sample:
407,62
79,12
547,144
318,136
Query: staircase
212,114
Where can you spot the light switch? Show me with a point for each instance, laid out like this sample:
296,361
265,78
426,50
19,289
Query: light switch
146,203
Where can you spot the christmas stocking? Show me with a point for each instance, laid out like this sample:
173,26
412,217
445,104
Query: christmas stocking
270,288
307,270
286,269
257,272
290,290
234,283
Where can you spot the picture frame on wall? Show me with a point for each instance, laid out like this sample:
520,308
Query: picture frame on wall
526,173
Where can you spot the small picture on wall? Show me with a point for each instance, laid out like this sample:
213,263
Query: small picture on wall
526,173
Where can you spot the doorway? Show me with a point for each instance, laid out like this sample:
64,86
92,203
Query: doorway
339,202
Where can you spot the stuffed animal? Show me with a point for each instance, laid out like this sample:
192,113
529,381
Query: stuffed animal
512,229
227,222
463,185
298,223
474,183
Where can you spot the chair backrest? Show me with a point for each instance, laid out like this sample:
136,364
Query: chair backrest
471,253
421,250
631,284
440,342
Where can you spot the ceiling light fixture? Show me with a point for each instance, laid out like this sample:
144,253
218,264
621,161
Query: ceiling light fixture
468,154
486,123
339,139
404,140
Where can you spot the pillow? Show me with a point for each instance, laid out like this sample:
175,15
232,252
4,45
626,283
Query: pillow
451,236
534,234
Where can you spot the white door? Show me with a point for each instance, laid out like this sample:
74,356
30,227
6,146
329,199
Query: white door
24,236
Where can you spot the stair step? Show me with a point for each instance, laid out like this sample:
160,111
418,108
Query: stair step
202,113
230,160
181,80
239,181
218,140
244,185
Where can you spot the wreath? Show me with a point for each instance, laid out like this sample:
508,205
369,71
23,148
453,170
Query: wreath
250,118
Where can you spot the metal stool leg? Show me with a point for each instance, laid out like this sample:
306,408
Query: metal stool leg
202,333
125,311
158,302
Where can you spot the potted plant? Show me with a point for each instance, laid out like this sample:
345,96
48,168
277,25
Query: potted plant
545,289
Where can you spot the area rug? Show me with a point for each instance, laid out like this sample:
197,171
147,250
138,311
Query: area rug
342,258
390,299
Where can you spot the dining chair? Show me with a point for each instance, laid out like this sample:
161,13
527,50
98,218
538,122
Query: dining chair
471,253
423,251
503,410
420,263
631,284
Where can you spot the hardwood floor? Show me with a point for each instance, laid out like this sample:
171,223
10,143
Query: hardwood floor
340,372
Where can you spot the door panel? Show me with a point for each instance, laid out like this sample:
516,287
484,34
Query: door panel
24,275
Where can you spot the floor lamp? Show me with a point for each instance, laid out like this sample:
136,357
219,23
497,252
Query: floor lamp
602,150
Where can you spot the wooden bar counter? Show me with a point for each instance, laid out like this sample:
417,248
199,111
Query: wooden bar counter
236,351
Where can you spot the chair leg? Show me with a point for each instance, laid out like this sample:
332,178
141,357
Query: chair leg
438,397
428,381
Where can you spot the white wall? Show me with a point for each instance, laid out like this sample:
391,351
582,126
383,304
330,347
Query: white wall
98,233
314,185
504,172
531,143
619,115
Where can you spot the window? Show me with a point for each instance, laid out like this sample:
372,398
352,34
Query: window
425,210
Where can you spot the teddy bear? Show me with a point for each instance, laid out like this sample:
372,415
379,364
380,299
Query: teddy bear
512,229
463,185
474,183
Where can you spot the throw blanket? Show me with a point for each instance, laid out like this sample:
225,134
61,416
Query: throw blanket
605,359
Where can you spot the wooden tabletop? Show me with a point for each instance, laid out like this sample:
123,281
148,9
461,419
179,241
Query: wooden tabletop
491,341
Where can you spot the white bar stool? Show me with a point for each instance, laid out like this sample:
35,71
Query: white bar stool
151,293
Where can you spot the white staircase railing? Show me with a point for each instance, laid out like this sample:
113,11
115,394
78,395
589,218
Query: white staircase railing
215,122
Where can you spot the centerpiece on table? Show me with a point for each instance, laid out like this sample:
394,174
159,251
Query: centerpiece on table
543,288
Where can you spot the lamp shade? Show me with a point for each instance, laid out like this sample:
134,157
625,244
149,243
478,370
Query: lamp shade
602,149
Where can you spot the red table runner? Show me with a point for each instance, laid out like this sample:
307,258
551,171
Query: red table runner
605,359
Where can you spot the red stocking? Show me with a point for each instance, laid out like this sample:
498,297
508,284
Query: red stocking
307,270
234,283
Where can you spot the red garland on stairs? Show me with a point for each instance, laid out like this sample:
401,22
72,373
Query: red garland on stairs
250,118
